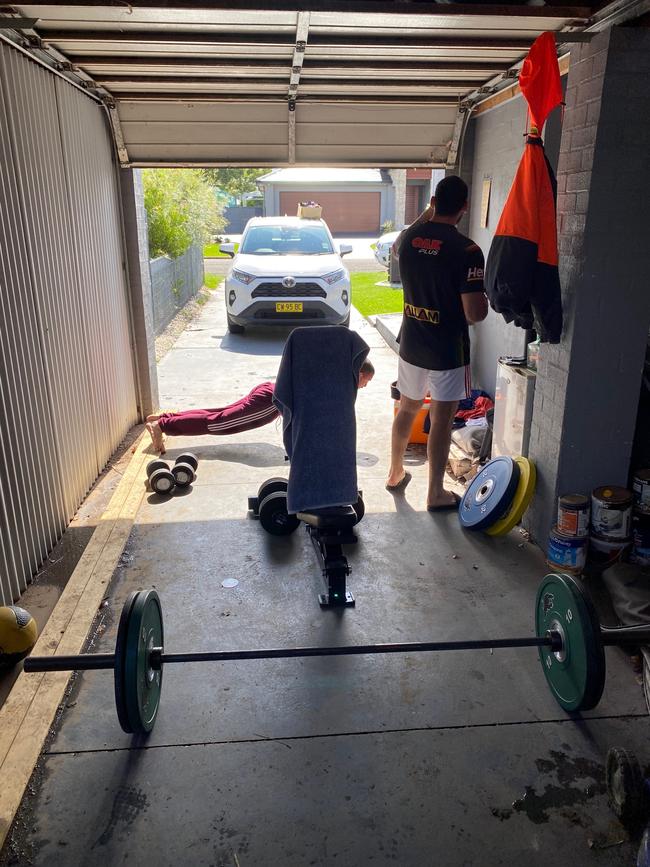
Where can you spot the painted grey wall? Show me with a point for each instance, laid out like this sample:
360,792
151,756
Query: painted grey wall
136,240
174,282
493,148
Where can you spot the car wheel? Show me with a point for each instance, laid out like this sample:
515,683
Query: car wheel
233,328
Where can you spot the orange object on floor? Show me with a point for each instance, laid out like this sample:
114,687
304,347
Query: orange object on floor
417,431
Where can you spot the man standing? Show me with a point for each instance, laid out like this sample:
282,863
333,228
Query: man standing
442,276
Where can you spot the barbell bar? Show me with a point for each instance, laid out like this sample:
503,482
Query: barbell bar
569,639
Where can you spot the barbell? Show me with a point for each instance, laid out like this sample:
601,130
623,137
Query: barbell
568,635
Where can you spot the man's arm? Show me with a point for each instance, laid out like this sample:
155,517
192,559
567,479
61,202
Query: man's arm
475,303
424,217
475,306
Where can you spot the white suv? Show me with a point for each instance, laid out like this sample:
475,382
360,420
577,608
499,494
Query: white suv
287,271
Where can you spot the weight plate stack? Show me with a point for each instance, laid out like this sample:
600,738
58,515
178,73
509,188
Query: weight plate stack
142,684
274,517
272,486
624,784
120,663
520,501
576,674
490,494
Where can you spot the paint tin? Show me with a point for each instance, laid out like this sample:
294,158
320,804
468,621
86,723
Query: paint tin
641,539
566,553
641,489
611,512
603,553
573,511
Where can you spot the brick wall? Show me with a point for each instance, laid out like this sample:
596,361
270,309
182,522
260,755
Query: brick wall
588,384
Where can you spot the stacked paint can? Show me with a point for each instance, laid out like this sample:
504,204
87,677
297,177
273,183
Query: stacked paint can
611,525
569,538
641,518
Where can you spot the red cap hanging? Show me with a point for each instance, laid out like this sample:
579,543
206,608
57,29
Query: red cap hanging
539,80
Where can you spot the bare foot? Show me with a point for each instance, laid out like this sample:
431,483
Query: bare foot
157,437
154,417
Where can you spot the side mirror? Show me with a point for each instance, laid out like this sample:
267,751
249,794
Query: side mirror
344,249
228,249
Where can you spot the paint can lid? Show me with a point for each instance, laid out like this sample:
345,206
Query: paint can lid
573,501
612,494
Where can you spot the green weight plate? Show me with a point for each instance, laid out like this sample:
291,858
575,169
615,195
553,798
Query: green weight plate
142,683
120,656
576,674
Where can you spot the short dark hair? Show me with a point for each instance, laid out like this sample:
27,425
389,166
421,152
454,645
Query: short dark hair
368,367
451,195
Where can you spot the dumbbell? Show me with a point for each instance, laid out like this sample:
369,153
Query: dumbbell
161,478
184,469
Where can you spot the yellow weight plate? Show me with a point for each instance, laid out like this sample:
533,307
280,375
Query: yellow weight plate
521,500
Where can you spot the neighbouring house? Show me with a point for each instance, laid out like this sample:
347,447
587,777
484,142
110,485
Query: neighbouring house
354,201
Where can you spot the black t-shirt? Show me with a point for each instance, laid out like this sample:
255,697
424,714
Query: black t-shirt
437,265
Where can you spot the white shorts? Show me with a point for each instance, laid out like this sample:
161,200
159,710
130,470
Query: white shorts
445,385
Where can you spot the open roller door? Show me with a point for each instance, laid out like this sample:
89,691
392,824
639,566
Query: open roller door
357,83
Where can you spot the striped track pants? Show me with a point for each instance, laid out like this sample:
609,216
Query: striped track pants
254,410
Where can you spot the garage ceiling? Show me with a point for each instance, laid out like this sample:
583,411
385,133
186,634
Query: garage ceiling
357,83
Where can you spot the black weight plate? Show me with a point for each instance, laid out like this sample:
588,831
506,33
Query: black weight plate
576,674
360,508
142,684
624,784
274,516
270,486
183,474
158,464
490,494
188,458
162,482
120,653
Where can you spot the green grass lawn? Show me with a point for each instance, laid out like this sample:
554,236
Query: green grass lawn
370,299
212,280
213,251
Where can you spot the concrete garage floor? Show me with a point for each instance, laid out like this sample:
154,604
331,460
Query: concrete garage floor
447,759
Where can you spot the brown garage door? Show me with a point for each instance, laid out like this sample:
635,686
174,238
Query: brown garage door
345,213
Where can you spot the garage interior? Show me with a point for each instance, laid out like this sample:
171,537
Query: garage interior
386,760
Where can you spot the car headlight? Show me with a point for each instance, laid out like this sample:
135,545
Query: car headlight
335,276
243,277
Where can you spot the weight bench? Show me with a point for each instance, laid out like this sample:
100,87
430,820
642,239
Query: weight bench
329,529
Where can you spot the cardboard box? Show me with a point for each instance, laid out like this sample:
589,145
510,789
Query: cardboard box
309,210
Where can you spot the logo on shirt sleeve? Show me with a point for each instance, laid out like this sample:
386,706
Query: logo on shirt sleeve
428,246
474,274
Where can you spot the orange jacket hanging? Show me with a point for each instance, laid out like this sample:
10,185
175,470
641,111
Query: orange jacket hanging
521,276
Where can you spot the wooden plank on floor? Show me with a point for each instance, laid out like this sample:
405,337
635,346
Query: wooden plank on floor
30,708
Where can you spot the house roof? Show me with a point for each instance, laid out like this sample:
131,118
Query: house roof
313,176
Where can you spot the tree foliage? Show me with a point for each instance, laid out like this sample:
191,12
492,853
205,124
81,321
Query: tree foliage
234,181
181,210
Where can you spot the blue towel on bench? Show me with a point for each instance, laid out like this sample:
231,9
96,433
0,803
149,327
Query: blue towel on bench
315,391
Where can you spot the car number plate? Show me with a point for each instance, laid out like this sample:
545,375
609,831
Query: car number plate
288,307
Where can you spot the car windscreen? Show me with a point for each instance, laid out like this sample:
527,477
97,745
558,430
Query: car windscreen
286,241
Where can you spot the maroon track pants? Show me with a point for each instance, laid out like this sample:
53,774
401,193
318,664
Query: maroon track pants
254,410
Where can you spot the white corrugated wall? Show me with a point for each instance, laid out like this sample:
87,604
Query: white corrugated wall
67,378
